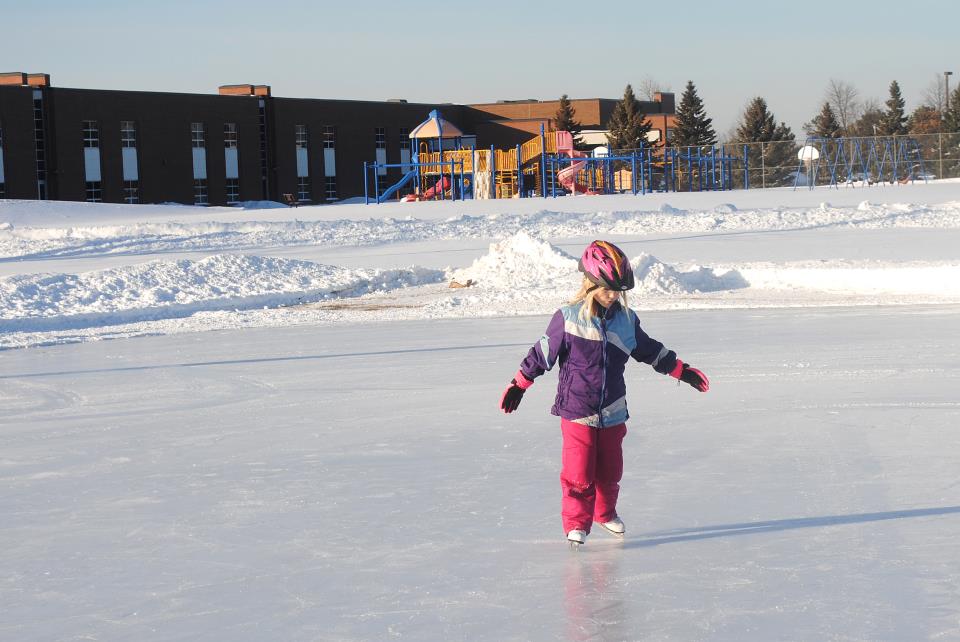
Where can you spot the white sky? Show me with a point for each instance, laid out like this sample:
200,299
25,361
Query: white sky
425,51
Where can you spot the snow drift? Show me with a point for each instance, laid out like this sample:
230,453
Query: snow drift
522,263
170,289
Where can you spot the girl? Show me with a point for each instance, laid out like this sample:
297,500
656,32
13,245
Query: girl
592,338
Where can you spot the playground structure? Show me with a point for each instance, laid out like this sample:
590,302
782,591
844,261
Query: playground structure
547,165
829,161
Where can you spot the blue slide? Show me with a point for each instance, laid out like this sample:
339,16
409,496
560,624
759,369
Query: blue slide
393,188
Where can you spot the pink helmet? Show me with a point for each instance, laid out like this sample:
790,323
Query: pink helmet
606,265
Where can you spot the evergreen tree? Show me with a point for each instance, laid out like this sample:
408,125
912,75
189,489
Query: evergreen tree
825,124
868,124
894,119
628,126
783,133
757,124
566,120
951,137
951,119
692,128
778,148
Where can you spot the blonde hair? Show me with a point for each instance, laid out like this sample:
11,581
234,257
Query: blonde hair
587,293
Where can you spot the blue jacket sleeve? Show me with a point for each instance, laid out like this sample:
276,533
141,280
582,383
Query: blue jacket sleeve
544,354
651,351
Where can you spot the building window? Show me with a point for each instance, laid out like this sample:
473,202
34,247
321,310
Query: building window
233,191
198,135
198,139
303,189
302,140
128,133
302,136
264,159
94,192
380,137
131,192
2,186
200,191
404,138
91,134
40,146
91,161
329,137
131,171
331,188
230,135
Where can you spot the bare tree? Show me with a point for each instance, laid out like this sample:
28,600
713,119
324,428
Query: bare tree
650,86
935,94
843,99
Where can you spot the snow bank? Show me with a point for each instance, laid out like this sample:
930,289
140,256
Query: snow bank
21,240
522,262
817,258
171,289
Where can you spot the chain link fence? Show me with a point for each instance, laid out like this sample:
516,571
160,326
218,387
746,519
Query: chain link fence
776,164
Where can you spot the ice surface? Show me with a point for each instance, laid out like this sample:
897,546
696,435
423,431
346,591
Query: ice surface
358,483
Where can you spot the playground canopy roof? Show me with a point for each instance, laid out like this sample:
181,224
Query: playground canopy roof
436,126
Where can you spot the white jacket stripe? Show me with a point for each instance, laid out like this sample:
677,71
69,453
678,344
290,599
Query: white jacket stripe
613,414
592,333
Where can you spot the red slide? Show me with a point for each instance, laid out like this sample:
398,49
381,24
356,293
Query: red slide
442,184
567,176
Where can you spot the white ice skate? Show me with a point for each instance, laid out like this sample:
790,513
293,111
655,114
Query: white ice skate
614,527
576,538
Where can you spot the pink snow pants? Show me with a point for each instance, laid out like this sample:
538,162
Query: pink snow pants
590,477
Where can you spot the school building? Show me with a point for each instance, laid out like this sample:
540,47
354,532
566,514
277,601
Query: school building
240,144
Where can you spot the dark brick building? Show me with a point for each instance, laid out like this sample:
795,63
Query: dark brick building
241,144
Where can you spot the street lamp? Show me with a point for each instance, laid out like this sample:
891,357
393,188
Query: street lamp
946,80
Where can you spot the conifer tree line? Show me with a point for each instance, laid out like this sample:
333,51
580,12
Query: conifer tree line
844,115
841,114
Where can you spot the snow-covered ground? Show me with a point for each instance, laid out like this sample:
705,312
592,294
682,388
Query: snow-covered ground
298,438
74,272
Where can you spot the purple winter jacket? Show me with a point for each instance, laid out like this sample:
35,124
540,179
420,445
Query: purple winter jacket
592,356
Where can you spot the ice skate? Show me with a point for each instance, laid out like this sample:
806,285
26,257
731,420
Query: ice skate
576,538
615,527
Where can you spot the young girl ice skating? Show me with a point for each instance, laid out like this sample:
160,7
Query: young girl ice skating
592,338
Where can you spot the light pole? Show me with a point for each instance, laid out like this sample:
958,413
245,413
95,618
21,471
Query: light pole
946,81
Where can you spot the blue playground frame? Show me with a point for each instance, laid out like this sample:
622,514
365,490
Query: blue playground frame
896,159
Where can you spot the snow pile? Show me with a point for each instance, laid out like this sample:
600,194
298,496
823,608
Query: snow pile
522,262
171,289
656,277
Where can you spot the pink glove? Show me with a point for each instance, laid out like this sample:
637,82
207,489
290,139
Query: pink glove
514,392
692,376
